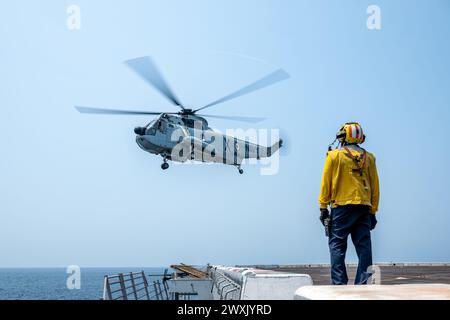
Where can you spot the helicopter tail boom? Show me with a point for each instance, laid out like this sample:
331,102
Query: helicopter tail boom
274,148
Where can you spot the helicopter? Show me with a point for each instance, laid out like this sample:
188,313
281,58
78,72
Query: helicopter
185,135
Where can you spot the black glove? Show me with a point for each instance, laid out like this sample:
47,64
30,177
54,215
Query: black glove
373,221
324,214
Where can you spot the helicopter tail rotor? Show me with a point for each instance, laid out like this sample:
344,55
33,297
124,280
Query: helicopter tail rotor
286,147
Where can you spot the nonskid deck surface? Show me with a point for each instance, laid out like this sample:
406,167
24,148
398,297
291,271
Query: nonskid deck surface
375,292
400,273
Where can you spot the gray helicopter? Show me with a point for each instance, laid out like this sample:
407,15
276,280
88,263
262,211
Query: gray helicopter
185,135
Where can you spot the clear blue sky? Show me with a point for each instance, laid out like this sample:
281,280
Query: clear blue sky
76,189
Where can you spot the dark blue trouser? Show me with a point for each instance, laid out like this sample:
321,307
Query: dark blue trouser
353,220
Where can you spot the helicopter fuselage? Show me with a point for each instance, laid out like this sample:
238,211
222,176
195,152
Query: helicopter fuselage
182,138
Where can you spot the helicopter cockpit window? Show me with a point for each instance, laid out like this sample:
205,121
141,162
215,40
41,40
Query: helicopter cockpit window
190,123
151,130
162,125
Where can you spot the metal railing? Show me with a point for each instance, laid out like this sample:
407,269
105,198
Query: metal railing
226,288
133,286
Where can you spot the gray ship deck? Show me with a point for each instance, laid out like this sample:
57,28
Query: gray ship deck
400,273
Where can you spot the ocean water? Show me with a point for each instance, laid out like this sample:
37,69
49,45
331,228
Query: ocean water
51,283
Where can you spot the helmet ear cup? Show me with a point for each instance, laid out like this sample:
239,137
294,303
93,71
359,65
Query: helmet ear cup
341,136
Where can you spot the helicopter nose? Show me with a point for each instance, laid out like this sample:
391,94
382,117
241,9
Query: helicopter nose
139,131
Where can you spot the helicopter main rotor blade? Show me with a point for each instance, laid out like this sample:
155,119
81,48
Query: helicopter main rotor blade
145,68
93,110
236,118
272,78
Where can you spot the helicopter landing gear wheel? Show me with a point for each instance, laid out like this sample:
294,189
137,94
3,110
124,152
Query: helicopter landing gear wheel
240,169
165,165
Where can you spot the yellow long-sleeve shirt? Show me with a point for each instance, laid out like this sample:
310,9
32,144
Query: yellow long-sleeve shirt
343,183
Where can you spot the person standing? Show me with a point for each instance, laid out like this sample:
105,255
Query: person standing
350,187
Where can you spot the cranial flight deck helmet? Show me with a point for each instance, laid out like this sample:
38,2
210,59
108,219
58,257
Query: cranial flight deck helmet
349,133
